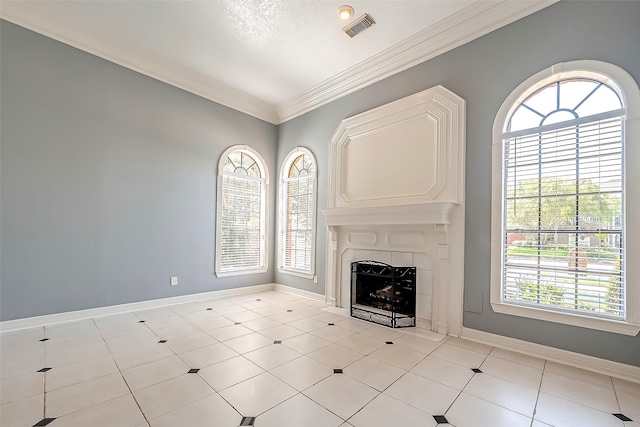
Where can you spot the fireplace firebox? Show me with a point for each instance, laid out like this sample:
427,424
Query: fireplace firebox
383,294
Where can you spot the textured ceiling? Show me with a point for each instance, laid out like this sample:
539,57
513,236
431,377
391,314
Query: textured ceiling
272,59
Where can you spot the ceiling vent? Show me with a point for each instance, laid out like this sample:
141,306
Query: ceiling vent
359,25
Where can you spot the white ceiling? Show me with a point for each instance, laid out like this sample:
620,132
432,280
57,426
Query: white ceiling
273,59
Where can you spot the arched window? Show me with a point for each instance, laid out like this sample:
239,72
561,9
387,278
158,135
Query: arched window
561,199
297,219
241,213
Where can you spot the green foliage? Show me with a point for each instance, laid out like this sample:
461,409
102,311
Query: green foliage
557,206
614,292
543,293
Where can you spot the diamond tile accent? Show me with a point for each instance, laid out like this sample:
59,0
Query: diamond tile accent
440,419
247,421
209,309
289,311
331,324
44,339
162,341
337,371
43,422
141,321
44,370
388,342
476,370
258,299
193,371
238,323
277,342
622,417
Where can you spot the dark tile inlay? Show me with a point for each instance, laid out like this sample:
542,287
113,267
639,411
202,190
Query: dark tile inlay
44,370
44,339
238,323
440,419
193,371
141,321
477,371
337,371
209,308
247,421
162,341
388,342
258,299
43,422
330,324
289,311
277,342
622,417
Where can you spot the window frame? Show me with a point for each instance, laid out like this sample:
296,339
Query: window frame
630,95
282,213
219,271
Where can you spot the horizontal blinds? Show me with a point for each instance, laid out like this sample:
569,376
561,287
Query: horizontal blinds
563,218
298,223
242,230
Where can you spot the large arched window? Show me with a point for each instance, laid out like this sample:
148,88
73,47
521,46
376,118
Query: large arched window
297,219
562,221
241,213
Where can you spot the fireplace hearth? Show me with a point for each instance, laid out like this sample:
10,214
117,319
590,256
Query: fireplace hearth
383,294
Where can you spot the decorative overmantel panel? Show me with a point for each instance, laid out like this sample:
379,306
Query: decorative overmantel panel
396,186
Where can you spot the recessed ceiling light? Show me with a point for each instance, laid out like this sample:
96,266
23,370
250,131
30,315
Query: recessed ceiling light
345,12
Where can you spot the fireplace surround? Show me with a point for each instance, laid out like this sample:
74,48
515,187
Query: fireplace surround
396,196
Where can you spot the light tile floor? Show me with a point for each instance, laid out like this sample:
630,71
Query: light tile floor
286,361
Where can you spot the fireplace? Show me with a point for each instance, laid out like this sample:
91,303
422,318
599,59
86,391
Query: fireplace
383,294
396,196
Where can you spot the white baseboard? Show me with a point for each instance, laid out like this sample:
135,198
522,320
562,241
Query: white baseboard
298,292
577,360
69,316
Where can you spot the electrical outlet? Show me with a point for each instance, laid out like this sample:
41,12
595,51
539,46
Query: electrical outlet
174,281
315,279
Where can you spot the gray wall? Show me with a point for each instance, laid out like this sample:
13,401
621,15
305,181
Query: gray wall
108,181
108,176
484,72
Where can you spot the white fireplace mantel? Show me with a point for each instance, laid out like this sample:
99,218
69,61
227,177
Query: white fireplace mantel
418,213
396,193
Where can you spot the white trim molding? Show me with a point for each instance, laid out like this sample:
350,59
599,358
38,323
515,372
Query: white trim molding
577,360
471,22
71,316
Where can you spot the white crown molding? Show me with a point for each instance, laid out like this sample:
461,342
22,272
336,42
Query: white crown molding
26,14
577,360
470,23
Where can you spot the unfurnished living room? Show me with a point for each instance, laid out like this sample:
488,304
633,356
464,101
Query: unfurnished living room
320,213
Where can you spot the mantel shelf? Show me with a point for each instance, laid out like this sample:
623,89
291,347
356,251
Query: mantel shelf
410,214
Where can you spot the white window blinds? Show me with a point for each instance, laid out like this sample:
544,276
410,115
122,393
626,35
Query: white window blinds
242,223
563,224
298,220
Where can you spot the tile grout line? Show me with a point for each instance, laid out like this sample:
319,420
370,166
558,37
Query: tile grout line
535,406
120,372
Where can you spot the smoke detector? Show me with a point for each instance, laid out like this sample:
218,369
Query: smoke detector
359,25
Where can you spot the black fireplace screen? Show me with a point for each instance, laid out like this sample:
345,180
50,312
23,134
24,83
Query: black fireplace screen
383,294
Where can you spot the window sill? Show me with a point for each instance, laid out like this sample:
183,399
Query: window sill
600,324
296,273
240,272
